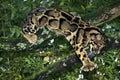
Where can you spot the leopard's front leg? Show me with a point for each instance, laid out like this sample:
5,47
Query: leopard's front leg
88,65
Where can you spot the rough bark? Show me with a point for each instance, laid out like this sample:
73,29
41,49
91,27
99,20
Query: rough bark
107,15
104,14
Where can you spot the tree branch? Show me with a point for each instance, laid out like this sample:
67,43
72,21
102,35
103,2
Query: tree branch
107,15
62,65
104,14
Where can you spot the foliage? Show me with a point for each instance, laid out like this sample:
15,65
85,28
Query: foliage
20,60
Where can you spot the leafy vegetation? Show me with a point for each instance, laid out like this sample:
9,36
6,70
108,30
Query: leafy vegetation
20,60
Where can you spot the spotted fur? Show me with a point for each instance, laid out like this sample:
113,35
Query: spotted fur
76,31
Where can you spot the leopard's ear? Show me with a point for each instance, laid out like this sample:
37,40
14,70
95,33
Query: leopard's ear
32,38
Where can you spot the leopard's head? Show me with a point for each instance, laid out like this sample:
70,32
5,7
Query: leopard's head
97,40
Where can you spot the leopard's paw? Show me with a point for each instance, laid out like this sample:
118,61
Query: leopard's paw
89,66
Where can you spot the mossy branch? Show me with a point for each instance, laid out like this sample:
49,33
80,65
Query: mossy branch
107,15
103,14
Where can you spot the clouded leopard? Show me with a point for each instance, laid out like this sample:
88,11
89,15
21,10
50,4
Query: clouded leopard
78,32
